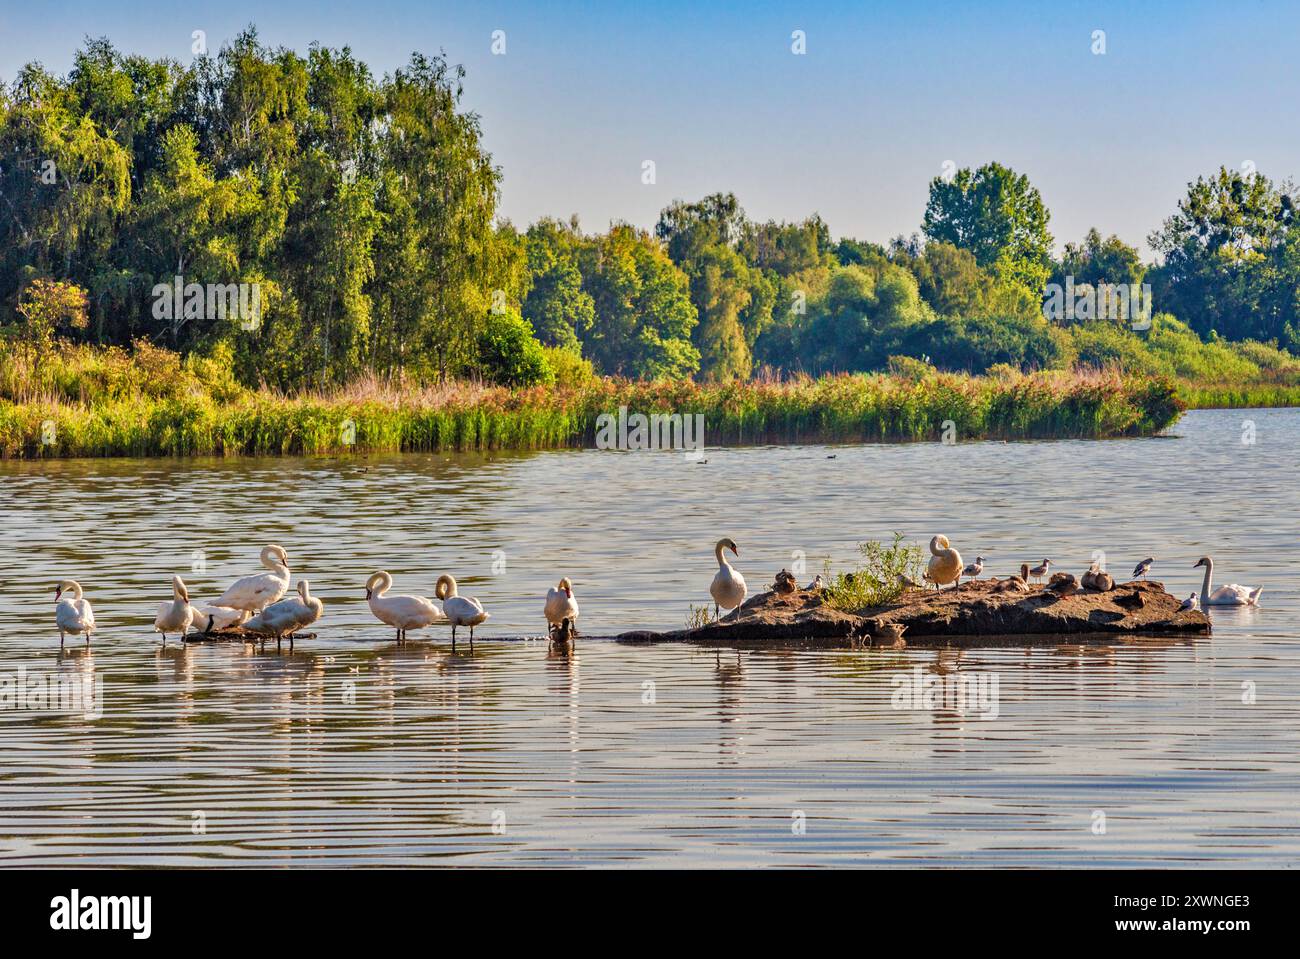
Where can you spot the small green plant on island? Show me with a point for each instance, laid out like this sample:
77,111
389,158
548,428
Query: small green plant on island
699,616
880,578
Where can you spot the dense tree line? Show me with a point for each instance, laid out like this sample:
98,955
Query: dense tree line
364,211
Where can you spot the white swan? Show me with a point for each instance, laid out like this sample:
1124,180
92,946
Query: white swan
209,616
288,615
728,587
400,612
176,616
1230,595
460,610
560,605
945,563
256,592
73,615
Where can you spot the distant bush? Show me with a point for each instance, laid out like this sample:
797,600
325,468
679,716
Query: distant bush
570,369
509,353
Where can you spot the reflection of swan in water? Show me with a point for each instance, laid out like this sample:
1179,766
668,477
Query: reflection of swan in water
728,587
945,563
1230,595
72,615
174,617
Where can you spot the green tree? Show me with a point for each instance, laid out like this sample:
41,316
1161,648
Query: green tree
559,308
1230,257
999,216
643,311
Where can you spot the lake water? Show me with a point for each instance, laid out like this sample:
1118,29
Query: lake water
353,752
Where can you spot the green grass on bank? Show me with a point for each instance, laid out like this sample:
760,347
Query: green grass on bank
84,402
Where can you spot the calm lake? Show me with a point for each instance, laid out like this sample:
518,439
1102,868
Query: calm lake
353,752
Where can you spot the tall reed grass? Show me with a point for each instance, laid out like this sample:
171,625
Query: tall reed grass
108,403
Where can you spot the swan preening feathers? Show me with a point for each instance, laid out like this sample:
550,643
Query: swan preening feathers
73,614
945,563
400,612
561,610
460,610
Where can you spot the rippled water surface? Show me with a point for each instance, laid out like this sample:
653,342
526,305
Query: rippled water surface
351,751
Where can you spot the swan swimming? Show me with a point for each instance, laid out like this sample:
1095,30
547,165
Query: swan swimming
176,616
400,612
728,587
560,605
945,563
72,615
460,610
288,615
254,593
1230,595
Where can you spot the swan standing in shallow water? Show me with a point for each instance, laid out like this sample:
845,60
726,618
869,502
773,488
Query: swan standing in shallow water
254,593
460,610
400,612
1230,595
176,616
945,563
287,616
560,605
73,615
728,587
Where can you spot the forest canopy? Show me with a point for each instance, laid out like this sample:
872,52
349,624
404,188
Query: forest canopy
361,215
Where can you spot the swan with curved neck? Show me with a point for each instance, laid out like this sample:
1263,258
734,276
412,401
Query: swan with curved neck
561,606
176,616
254,593
73,613
1230,595
288,615
728,588
460,610
945,563
400,612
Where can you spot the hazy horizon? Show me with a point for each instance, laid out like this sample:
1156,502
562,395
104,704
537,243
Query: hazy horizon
854,129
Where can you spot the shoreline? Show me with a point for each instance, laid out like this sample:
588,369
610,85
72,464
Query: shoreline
843,408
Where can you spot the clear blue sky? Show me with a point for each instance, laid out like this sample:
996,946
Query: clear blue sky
854,129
